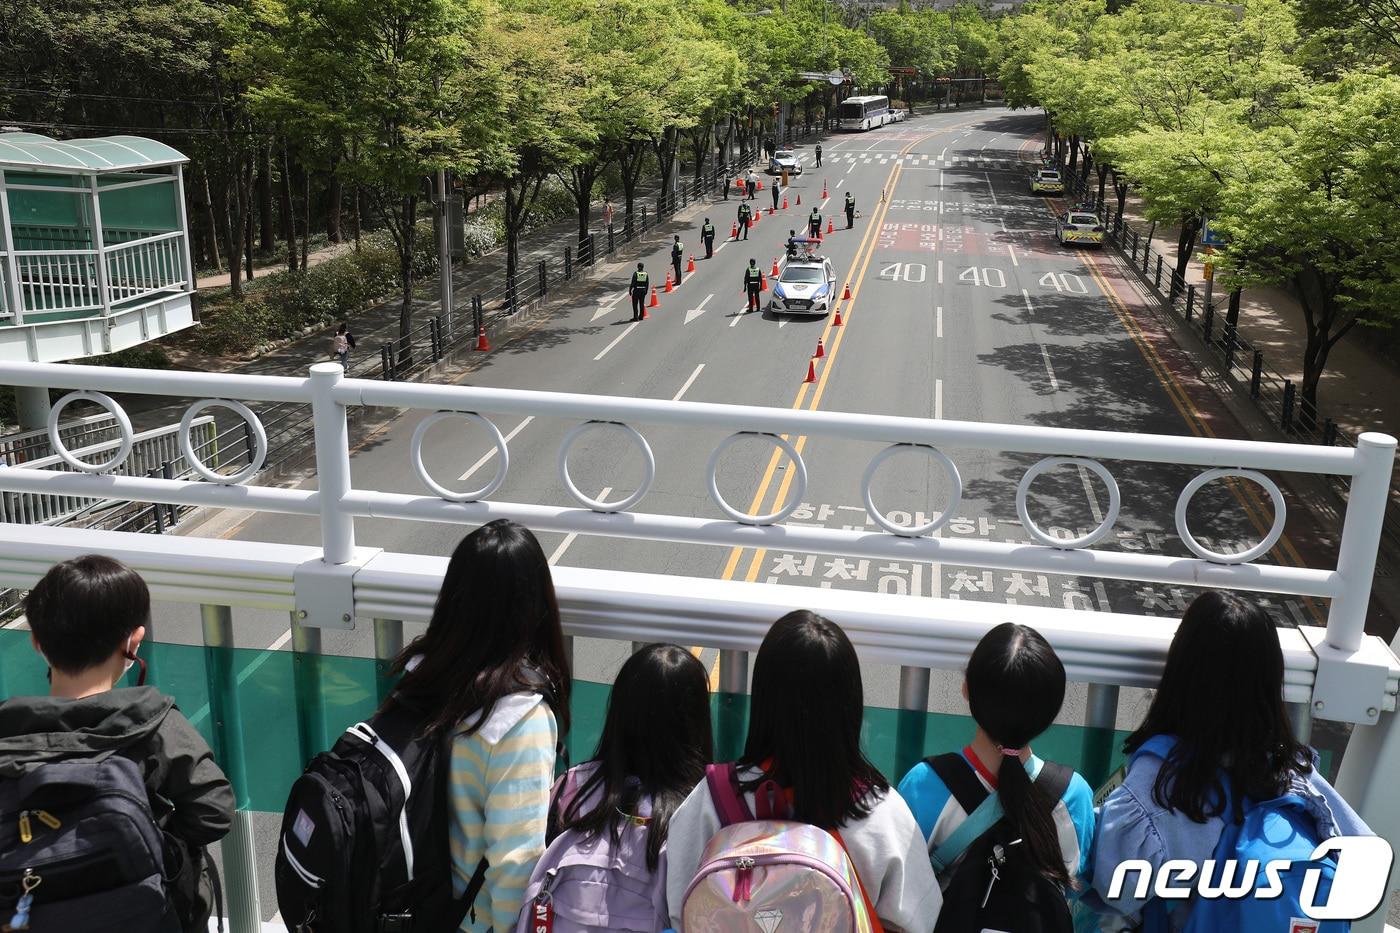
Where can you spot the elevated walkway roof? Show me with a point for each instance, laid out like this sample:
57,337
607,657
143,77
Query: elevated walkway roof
99,154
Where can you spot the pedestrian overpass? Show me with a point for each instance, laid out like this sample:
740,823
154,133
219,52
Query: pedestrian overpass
266,711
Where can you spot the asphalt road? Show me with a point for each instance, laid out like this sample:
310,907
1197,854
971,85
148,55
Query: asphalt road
963,307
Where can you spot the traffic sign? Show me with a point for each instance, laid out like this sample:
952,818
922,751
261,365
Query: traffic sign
1210,237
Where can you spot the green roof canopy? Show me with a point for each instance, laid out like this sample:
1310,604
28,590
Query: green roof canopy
102,154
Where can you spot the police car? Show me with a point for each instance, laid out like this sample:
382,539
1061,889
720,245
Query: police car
1047,181
784,160
1079,226
806,285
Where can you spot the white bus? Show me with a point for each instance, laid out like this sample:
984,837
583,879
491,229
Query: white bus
863,113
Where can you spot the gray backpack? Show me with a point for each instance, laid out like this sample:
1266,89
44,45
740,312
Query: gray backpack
80,851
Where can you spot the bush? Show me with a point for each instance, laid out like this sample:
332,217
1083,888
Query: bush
142,356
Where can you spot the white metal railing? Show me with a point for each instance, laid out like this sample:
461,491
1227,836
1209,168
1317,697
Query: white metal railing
145,266
22,446
58,280
5,312
1338,671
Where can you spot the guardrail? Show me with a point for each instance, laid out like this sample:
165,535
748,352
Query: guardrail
1337,673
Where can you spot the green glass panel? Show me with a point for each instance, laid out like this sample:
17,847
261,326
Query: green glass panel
133,212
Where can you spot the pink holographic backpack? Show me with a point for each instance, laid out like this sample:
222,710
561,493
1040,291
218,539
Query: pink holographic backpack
756,873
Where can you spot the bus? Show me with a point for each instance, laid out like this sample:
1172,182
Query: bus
863,113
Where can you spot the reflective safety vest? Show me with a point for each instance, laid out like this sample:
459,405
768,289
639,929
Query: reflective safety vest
708,230
639,281
753,278
816,218
676,250
744,212
850,201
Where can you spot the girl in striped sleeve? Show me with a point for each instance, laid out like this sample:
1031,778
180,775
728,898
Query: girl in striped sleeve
492,663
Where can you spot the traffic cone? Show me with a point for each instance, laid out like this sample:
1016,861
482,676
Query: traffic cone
734,231
668,283
823,187
821,350
762,281
739,183
811,371
775,266
829,227
482,343
760,184
644,309
799,199
690,266
846,295
784,202
654,302
837,322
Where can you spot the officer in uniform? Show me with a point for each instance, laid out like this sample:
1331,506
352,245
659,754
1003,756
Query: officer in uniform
753,284
751,185
677,251
707,236
745,212
814,224
850,210
775,195
638,290
792,244
819,155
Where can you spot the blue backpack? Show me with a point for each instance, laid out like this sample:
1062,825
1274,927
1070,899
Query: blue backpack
1272,830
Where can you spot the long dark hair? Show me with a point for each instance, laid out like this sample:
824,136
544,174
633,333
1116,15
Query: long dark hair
805,719
1221,695
1015,687
656,742
495,631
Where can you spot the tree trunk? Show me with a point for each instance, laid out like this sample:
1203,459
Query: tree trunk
335,194
233,232
1232,309
1103,182
306,213
665,148
629,160
289,222
267,233
1073,153
1185,246
580,184
405,243
210,224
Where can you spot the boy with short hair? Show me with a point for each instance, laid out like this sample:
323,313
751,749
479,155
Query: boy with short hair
87,616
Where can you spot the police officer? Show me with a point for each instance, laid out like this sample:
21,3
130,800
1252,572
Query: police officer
745,212
819,155
753,284
751,185
814,224
638,290
850,210
792,244
707,236
677,250
775,195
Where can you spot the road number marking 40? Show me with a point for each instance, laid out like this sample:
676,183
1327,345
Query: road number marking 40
1064,282
904,272
988,276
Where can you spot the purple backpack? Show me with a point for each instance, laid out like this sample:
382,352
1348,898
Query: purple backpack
755,872
582,884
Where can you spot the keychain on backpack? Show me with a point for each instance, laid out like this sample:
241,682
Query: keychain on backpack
20,921
995,861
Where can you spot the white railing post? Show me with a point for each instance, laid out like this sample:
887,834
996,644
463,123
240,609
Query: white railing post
104,296
332,463
1361,536
14,296
186,248
1366,780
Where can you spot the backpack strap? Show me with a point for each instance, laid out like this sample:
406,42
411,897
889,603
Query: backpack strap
1054,779
957,775
467,902
983,809
724,792
875,925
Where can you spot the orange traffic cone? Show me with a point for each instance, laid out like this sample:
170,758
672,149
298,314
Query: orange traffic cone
784,202
668,283
690,266
734,231
845,296
775,266
481,342
837,322
762,281
799,199
739,183
811,371
654,302
757,215
750,222
644,308
823,187
760,184
821,350
829,227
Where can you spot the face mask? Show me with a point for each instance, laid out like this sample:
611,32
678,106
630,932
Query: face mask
133,658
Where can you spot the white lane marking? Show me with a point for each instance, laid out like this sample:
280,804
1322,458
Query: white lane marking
698,310
688,383
823,204
851,169
486,457
569,538
723,245
1011,251
1049,370
616,340
1090,494
742,314
606,307
990,189
943,153
940,272
1002,221
938,401
938,320
990,141
841,182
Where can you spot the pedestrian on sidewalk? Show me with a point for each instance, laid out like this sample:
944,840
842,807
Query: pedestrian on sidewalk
607,213
342,343
677,253
850,210
753,284
751,184
707,236
776,191
637,288
819,155
745,213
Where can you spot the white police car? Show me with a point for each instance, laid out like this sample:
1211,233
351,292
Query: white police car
806,285
784,160
1079,226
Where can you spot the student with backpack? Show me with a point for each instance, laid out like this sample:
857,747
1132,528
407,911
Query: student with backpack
109,795
605,868
430,816
832,839
1007,832
1215,772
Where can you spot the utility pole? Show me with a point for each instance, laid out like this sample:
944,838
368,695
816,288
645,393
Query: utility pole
440,221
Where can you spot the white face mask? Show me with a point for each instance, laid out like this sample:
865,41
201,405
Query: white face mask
130,660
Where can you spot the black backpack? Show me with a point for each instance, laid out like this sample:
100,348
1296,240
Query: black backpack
994,885
79,839
364,842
